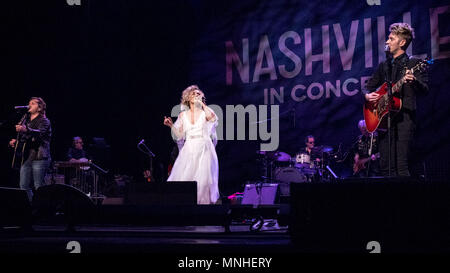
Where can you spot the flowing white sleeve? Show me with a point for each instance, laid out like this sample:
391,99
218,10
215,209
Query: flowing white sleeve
212,124
178,132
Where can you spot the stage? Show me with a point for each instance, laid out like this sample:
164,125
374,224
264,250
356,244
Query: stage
348,216
164,239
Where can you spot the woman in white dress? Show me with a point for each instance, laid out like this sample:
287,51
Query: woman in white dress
197,158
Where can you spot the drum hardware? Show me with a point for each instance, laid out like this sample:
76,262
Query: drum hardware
331,172
280,167
272,160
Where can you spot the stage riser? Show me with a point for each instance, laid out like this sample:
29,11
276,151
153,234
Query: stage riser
168,193
401,215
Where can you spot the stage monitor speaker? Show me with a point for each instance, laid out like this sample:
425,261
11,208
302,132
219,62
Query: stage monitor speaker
15,208
165,194
401,215
60,203
260,194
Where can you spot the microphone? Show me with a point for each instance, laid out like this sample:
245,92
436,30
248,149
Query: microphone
387,51
21,107
141,142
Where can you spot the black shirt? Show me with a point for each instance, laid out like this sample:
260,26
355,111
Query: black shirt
76,154
362,146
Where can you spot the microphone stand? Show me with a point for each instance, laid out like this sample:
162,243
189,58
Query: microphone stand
389,87
151,156
293,117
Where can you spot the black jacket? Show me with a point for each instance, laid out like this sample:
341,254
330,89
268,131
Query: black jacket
37,138
408,91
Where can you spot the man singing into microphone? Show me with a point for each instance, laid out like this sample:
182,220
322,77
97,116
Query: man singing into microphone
403,123
34,134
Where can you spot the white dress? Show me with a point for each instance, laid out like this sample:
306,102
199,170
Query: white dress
197,158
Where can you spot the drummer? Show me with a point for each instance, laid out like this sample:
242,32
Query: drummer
309,142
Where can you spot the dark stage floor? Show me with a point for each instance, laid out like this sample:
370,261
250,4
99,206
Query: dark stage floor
141,239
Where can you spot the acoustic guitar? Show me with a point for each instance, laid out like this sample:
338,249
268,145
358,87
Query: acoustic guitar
375,112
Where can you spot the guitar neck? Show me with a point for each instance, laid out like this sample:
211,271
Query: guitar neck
398,85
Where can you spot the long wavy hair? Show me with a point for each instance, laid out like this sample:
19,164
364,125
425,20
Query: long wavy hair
187,92
41,104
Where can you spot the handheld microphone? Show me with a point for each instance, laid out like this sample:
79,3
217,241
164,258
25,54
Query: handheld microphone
141,142
21,107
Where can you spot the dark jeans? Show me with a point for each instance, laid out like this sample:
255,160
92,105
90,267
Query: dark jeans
402,132
33,171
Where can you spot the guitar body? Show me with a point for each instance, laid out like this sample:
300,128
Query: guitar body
374,112
361,164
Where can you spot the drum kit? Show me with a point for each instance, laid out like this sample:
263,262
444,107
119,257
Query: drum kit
280,167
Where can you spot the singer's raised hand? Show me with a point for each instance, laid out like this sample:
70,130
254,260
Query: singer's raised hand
168,121
199,100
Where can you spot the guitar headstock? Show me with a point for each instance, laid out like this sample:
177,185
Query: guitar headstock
423,64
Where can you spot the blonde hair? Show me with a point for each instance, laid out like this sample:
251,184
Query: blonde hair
403,30
187,92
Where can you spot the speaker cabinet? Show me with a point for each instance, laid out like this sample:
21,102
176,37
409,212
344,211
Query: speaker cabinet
15,208
60,203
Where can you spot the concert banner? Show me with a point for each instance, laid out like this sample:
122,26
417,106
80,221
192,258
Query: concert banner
311,60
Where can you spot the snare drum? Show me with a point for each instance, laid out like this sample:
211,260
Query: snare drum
302,158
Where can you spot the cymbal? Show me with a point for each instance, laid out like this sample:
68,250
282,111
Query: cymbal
276,155
322,149
282,156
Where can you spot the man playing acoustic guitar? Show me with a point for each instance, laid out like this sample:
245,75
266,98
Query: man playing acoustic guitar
34,135
403,122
